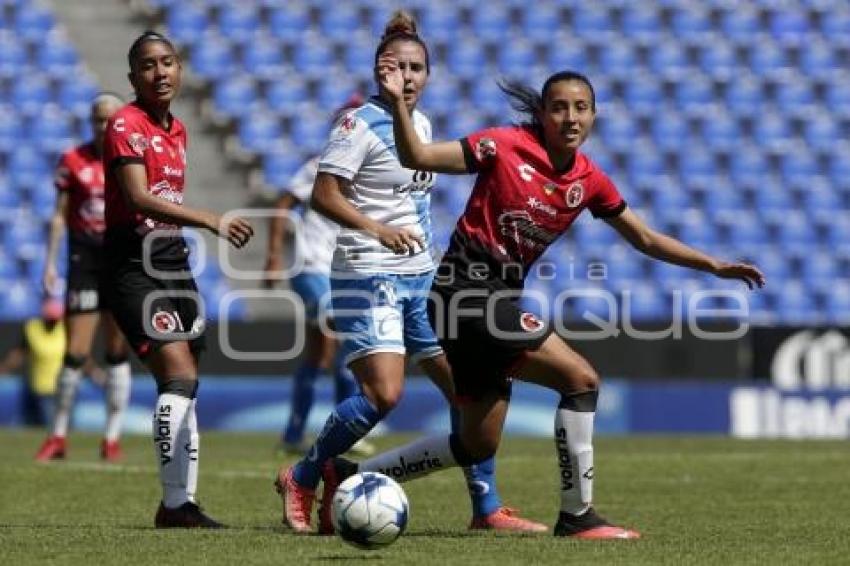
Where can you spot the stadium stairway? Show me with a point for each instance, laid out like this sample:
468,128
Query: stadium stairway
102,31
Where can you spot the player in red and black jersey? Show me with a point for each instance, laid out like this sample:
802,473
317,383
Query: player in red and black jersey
79,181
149,284
532,183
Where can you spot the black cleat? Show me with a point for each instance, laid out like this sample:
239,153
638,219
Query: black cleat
334,472
187,516
591,526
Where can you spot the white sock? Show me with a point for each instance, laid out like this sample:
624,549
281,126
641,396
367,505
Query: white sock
66,390
169,424
117,398
190,444
419,458
574,445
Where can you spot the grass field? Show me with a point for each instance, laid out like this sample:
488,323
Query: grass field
696,501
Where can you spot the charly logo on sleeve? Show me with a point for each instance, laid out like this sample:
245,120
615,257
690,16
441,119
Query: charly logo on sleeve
485,149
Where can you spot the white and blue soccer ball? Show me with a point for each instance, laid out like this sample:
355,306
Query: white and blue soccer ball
370,510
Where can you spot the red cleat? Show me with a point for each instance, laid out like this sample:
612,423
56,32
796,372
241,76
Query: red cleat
590,526
297,501
110,451
334,472
52,449
506,519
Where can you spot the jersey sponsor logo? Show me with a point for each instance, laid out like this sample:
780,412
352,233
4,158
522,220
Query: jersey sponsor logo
574,195
172,172
536,204
564,463
156,143
405,468
162,433
138,143
518,225
164,322
118,124
526,172
421,183
529,322
485,149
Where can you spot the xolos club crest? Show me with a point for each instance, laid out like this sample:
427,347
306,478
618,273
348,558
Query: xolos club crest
574,195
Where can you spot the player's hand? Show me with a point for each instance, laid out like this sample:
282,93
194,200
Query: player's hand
390,76
49,279
235,230
272,271
746,272
400,240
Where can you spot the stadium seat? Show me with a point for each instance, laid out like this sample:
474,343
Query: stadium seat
619,61
695,95
692,24
771,198
235,96
821,132
310,131
772,132
719,61
794,304
359,57
467,59
789,27
839,169
670,131
285,96
617,131
11,130
568,56
593,22
338,23
18,302
33,21
669,59
818,60
187,23
766,59
441,96
516,59
51,132
747,167
13,55
491,25
280,165
262,57
721,133
27,167
313,56
542,21
795,96
332,94
238,22
75,95
259,132
742,229
837,97
642,93
439,23
740,24
800,169
289,22
835,27
29,94
213,58
645,168
640,22
697,166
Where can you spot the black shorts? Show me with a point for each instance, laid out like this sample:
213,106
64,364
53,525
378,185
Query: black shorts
153,311
486,345
85,271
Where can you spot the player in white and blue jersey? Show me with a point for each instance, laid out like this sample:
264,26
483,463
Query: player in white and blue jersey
381,276
314,243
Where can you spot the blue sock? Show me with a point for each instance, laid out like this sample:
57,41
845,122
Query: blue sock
345,385
351,420
303,391
480,480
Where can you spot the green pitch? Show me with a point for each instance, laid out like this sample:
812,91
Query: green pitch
696,501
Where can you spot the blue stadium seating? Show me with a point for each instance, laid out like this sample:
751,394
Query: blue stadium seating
737,108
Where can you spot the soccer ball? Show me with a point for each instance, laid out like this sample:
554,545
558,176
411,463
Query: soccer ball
369,510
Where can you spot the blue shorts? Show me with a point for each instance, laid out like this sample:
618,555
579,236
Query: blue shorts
314,288
384,313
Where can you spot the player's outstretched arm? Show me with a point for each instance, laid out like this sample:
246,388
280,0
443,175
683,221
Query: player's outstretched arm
442,157
132,179
328,200
671,250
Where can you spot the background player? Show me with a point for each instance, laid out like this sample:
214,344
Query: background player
532,183
314,244
379,296
150,287
79,207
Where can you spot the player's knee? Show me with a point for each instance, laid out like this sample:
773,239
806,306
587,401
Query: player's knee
116,358
385,400
182,386
584,379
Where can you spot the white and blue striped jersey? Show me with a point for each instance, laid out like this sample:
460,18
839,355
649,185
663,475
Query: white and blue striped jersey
362,150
